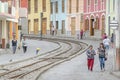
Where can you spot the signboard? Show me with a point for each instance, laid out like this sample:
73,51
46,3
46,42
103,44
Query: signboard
114,24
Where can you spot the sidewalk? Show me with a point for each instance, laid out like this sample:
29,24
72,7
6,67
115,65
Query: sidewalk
8,56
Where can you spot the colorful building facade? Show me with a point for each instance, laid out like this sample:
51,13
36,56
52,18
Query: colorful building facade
110,14
8,21
58,15
35,8
74,17
94,17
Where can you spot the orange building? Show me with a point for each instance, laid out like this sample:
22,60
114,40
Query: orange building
8,21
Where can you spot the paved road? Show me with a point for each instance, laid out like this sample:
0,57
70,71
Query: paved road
76,69
32,45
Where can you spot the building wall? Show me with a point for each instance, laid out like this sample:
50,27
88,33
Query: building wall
59,16
110,14
77,15
24,3
9,21
33,16
95,11
23,15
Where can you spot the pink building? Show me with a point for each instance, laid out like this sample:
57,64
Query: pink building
94,17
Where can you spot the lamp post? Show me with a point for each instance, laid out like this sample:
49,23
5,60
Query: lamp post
41,16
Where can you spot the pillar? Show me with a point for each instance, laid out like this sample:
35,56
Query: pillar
4,35
16,29
10,30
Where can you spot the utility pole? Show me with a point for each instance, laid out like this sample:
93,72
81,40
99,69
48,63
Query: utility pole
41,16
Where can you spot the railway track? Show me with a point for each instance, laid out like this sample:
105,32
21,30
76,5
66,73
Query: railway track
33,68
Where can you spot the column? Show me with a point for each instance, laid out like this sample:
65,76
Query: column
4,35
16,30
10,29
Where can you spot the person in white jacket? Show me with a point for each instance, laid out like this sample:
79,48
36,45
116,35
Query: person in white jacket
106,43
24,45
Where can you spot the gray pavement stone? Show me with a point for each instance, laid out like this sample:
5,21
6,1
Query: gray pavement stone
76,69
44,46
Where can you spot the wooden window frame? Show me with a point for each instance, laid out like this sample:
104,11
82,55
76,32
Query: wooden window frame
70,6
35,6
44,5
56,6
77,5
29,6
63,6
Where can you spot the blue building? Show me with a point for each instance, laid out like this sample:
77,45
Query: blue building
58,15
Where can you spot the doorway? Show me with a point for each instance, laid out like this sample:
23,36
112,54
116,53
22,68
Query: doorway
44,26
73,26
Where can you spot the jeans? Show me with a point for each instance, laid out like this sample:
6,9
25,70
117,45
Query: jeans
102,62
14,49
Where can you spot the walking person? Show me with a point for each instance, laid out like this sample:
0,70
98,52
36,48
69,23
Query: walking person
53,30
81,34
14,44
90,57
112,40
24,44
106,43
102,56
104,36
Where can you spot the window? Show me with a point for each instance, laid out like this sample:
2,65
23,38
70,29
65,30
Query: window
44,5
69,6
88,2
113,5
35,6
29,6
56,7
96,1
51,5
63,6
77,5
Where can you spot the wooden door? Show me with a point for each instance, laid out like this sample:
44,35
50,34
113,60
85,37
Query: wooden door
103,25
92,27
35,26
73,26
44,25
63,27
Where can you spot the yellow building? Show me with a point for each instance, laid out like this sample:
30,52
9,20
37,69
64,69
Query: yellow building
35,7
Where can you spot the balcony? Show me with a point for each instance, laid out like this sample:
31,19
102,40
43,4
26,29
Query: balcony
6,11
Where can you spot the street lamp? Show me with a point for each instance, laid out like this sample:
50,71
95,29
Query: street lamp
41,16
